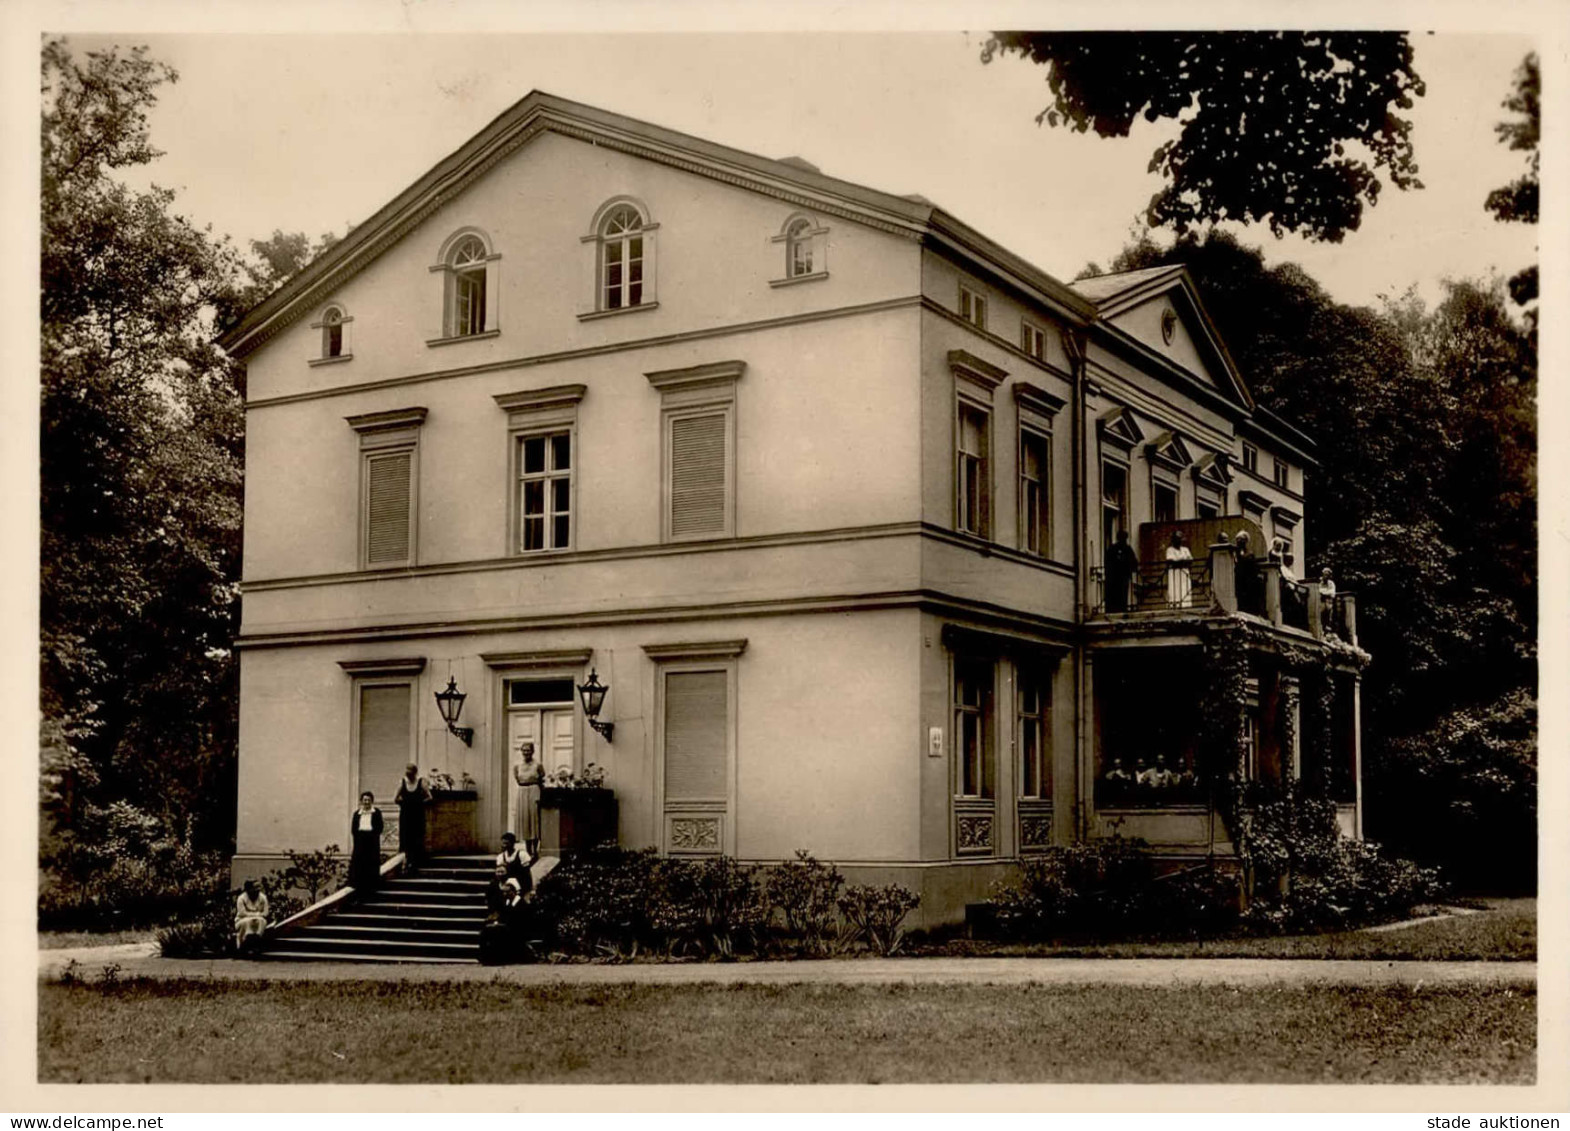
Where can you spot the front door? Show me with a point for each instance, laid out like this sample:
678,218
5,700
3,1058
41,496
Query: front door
551,730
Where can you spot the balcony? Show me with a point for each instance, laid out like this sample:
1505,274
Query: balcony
1216,582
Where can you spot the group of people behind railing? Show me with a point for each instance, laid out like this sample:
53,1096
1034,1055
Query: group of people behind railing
1128,587
1149,783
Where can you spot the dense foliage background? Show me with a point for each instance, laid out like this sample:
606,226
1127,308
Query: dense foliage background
1425,506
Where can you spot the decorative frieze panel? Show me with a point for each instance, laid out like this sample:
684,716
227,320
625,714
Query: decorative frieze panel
975,834
390,830
694,834
1035,832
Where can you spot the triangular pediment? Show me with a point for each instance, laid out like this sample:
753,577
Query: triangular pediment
1213,469
1117,426
1158,313
1169,450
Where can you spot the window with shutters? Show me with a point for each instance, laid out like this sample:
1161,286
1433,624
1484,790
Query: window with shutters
386,739
698,417
389,478
696,729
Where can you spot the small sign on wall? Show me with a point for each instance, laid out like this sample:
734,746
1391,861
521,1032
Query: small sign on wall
935,742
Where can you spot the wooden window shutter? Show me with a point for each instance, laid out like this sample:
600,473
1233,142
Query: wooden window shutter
696,723
384,738
698,462
387,508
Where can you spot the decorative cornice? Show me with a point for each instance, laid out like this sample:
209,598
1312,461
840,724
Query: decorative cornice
1286,515
1212,468
560,658
413,665
1169,451
963,638
984,373
384,421
1253,500
1118,427
697,650
1037,399
697,376
534,400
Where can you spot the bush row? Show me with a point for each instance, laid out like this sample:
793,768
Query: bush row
618,902
1294,872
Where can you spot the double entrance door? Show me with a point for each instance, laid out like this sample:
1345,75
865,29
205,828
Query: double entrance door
540,713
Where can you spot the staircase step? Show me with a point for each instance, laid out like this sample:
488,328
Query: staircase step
351,956
389,932
418,895
398,909
371,944
470,921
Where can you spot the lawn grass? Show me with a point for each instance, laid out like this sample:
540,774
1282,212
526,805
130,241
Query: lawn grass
200,1031
1505,932
60,940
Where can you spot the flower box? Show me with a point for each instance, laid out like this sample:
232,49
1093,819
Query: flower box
575,818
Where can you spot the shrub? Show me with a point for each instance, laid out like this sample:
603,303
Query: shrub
874,915
1306,875
320,873
711,906
599,901
210,934
806,894
1110,888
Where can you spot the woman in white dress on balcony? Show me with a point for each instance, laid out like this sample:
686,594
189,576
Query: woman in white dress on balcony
1180,586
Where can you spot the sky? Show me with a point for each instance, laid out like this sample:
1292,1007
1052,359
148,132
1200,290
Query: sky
314,132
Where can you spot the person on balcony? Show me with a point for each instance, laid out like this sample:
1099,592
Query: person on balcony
1116,784
1122,568
365,835
530,776
250,917
413,796
1180,582
1250,596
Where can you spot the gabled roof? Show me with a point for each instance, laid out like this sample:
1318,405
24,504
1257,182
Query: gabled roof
791,180
1114,294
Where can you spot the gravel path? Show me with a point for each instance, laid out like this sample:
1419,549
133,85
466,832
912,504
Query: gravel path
138,959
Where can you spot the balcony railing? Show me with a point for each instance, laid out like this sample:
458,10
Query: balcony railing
1157,587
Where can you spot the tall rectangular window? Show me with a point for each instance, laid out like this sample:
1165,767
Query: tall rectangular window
1279,469
972,472
1035,763
1250,458
695,756
1034,461
698,465
389,482
973,747
1114,504
387,498
545,491
1163,502
384,737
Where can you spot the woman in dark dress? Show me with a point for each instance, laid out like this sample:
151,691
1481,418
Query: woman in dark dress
365,834
413,796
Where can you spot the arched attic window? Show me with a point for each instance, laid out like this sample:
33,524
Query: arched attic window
623,267
468,269
334,325
806,249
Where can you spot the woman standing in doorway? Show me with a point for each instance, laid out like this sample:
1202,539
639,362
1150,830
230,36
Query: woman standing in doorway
365,834
530,776
1180,582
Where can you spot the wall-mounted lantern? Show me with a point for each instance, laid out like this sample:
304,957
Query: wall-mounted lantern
451,704
593,694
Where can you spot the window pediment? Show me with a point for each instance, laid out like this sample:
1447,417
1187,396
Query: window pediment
1169,451
967,365
1118,427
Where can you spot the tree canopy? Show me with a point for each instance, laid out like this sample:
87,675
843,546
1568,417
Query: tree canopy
1517,201
1292,129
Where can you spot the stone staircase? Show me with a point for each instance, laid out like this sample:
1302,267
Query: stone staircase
432,916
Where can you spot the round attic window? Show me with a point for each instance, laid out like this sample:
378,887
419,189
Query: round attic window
1168,324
